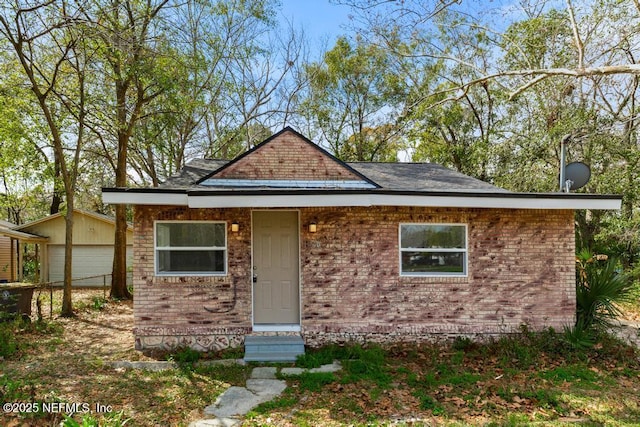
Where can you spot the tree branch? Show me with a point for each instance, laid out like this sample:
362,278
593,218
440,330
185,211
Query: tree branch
576,35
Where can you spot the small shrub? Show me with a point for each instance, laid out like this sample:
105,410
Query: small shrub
98,303
600,287
185,356
578,336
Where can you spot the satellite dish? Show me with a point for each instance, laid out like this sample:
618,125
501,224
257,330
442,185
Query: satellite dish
576,175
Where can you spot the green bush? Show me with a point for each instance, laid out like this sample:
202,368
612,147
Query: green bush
600,286
578,336
185,355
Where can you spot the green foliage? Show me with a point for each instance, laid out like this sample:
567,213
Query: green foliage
543,41
98,302
114,419
429,403
577,372
8,341
314,381
314,358
279,403
579,336
185,356
366,364
12,390
600,287
234,374
358,363
463,343
14,333
348,93
18,333
522,350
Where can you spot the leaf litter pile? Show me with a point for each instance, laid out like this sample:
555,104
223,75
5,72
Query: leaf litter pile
524,379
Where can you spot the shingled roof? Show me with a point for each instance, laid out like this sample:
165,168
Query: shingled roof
391,176
289,170
420,177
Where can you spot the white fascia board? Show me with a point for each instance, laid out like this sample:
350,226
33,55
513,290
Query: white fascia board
463,201
278,201
144,198
537,202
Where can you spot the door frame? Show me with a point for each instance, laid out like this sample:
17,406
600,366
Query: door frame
277,327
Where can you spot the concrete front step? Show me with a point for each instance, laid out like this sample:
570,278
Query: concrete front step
272,348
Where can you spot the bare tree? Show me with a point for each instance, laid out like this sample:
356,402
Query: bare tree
591,24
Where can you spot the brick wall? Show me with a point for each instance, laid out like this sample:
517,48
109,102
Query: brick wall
284,157
170,311
520,271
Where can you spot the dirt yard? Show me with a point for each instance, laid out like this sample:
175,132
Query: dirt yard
515,382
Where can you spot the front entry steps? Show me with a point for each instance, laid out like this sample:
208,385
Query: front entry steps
283,348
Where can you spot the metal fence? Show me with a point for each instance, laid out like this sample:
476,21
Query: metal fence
98,282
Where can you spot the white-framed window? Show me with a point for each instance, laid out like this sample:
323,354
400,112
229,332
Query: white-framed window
433,249
190,248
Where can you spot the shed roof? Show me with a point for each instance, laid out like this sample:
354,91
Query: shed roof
20,235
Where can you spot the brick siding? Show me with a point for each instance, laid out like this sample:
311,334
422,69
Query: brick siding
521,270
284,157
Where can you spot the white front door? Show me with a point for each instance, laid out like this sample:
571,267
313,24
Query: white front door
276,291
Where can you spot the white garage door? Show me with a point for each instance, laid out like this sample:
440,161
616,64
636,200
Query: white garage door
87,261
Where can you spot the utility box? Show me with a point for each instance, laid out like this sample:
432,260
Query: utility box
15,300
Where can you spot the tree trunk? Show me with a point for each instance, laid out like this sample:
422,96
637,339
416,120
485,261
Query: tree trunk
119,288
56,199
67,307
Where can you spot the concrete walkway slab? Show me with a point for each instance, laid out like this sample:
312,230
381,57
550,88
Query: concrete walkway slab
262,387
235,401
265,373
216,422
266,389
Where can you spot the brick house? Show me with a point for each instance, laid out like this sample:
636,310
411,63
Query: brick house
288,240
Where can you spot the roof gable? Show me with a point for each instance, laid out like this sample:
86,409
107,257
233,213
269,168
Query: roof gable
286,159
77,213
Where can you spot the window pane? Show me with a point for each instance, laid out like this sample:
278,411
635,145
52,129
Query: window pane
188,234
191,261
433,262
432,236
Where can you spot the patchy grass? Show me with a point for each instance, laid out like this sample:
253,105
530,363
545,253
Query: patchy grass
526,379
529,378
66,361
